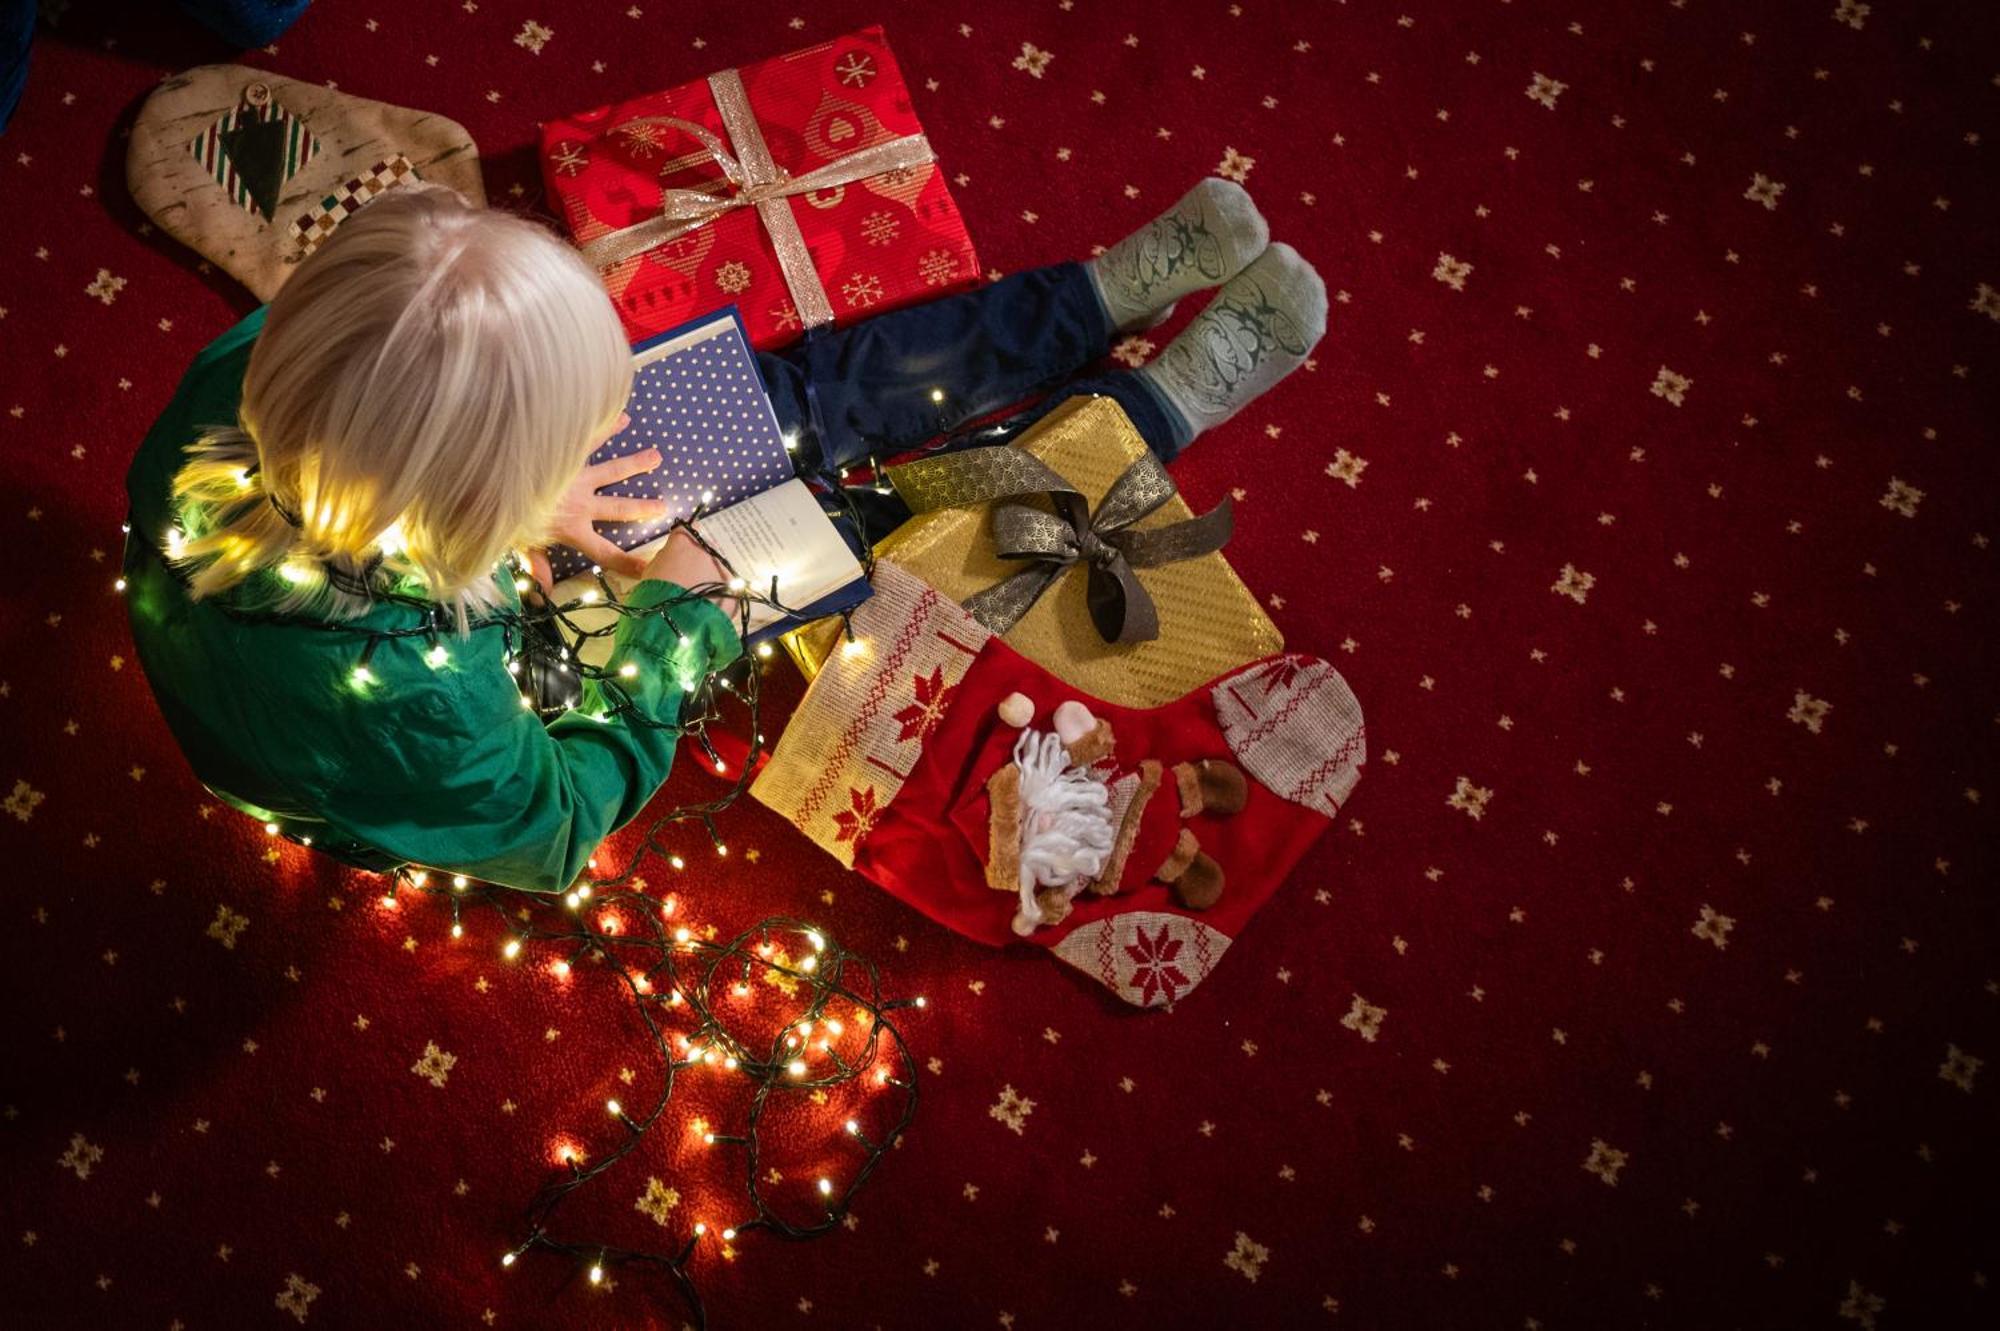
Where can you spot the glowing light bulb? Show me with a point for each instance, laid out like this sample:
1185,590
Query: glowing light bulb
937,395
512,949
721,848
700,1228
810,963
922,1001
176,542
596,1273
458,881
677,862
613,1108
728,1235
826,1187
437,656
628,670
561,969
833,1024
521,584
721,766
797,1067
814,937
791,441
242,479
742,989
507,1259
513,667
737,584
852,647
853,1128
589,596
294,572
119,585
708,496
388,901
730,1062
305,841
708,1137
361,677
458,931
572,900
681,935
526,701
583,889
270,829
419,878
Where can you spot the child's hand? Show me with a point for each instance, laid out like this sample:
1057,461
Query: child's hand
581,506
686,564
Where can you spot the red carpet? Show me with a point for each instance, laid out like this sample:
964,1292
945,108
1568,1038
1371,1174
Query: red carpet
1643,490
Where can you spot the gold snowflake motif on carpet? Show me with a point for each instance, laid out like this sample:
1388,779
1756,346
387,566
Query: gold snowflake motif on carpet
1808,711
1247,1257
1364,1019
1959,1068
1713,928
1451,271
1605,1161
1764,190
1469,799
1901,497
1671,386
81,1157
434,1064
1032,60
297,1295
1574,583
1012,1109
227,926
657,1202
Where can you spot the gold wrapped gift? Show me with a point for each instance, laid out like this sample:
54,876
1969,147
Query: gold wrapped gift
1208,622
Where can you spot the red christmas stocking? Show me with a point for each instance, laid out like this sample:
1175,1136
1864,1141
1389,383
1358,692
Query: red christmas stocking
888,761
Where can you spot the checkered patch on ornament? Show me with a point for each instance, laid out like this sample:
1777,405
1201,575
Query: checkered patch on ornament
253,151
355,193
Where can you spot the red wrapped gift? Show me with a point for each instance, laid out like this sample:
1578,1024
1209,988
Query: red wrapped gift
800,189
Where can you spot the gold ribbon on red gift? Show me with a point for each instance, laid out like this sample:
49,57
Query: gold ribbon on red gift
760,183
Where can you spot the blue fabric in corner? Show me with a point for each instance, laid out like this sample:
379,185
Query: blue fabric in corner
17,30
246,23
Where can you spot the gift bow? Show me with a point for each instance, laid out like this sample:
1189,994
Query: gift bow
761,184
1103,541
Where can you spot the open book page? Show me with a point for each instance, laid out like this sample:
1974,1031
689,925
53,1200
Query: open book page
782,532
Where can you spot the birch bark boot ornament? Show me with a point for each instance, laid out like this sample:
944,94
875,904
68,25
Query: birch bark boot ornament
253,171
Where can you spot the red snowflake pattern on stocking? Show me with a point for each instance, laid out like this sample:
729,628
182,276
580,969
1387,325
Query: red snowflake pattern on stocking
921,717
858,819
1156,972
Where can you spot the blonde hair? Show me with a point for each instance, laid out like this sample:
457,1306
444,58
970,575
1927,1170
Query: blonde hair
424,388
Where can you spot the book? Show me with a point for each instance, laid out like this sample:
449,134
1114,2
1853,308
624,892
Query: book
698,397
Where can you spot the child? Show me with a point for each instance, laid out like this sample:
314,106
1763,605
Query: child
420,399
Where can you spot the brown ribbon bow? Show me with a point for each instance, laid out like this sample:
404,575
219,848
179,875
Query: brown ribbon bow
760,183
1103,541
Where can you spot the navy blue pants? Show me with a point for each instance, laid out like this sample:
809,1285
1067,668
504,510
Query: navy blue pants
891,383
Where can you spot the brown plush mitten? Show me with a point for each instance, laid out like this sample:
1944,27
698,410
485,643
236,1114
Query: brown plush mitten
1195,878
1211,786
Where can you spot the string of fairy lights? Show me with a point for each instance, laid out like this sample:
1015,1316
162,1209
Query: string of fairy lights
695,996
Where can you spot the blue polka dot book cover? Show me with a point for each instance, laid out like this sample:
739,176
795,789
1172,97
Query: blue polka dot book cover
699,398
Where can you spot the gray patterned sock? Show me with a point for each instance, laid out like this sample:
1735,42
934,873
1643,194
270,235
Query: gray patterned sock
1259,328
1202,241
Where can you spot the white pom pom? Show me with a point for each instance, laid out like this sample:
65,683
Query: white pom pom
1073,721
1017,709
